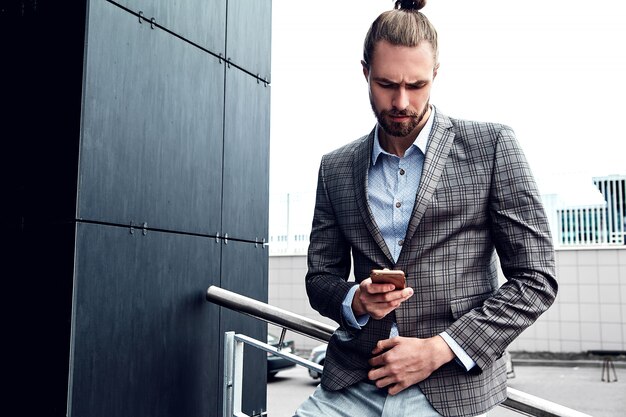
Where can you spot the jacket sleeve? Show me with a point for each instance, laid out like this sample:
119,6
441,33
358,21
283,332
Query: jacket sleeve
520,232
328,257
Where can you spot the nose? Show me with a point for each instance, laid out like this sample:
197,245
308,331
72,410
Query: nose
400,99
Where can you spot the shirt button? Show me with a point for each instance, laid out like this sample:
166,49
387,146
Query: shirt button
400,242
401,171
398,204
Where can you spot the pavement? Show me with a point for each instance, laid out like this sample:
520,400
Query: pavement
574,384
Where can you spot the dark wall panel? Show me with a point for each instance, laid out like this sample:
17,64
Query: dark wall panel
246,157
249,37
152,127
200,21
113,121
144,337
248,278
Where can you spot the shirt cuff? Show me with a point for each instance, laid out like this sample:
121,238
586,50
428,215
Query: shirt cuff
348,314
462,358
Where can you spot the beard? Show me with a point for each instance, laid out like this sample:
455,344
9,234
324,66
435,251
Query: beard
399,129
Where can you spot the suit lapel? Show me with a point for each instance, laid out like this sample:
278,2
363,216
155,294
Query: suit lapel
439,144
361,164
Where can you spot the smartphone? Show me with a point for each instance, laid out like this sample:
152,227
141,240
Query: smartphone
383,276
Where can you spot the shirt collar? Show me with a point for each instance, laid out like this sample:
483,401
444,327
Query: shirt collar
421,141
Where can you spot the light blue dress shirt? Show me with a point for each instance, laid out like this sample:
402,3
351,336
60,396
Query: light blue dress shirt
392,185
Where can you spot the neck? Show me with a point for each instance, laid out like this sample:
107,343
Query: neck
397,145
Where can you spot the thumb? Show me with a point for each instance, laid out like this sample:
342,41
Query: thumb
407,292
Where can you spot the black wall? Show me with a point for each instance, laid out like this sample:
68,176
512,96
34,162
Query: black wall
135,139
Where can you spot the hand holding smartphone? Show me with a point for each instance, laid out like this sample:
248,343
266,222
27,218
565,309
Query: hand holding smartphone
388,276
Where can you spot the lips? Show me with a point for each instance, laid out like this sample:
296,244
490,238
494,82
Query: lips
399,118
394,114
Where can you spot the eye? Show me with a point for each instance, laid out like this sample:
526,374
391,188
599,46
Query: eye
386,85
415,86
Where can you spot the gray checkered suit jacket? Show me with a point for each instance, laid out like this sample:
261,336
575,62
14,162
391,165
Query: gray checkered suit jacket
476,197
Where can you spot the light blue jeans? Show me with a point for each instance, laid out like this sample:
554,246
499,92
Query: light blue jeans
365,400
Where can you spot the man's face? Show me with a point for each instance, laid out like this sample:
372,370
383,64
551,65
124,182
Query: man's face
400,79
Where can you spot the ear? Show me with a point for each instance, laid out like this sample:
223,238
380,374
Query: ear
435,71
366,70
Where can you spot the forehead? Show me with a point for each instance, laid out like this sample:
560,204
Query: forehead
406,62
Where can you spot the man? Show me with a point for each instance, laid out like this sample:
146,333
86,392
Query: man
437,198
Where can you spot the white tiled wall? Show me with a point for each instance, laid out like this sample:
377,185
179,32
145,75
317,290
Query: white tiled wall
287,291
590,310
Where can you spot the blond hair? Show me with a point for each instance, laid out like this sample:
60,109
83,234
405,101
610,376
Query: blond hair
403,27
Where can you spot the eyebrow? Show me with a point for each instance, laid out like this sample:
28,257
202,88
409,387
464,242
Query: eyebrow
388,81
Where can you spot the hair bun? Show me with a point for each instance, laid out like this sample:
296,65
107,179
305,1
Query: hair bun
410,4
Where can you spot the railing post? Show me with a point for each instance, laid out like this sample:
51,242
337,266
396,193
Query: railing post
238,375
233,376
229,351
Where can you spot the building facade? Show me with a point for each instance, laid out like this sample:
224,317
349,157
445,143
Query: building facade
601,222
613,189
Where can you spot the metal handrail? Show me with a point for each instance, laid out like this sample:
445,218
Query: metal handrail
525,403
278,316
518,401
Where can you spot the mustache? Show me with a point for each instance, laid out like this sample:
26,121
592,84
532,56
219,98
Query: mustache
402,113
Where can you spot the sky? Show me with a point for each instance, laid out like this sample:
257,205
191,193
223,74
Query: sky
554,71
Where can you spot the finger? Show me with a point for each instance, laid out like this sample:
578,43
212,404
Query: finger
376,361
383,345
379,375
384,300
374,374
385,382
407,293
395,295
369,287
377,351
396,388
380,288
